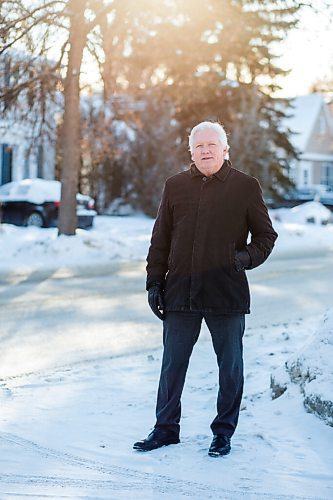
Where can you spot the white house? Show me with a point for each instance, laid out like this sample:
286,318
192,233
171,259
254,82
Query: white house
312,126
19,159
23,152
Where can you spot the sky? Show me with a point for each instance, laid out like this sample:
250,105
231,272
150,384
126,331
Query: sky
308,52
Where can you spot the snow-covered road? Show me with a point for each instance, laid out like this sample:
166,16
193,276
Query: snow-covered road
63,316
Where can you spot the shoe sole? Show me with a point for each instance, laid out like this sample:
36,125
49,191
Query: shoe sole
217,454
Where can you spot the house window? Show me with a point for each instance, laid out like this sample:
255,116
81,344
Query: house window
6,163
26,173
305,177
40,161
327,174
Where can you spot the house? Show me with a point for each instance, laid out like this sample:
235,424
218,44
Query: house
19,158
311,122
24,151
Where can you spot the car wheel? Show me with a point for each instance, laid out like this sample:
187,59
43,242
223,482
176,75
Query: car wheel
35,219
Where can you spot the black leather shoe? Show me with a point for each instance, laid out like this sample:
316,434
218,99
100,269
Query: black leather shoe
220,446
156,439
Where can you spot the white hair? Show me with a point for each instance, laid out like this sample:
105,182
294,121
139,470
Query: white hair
217,127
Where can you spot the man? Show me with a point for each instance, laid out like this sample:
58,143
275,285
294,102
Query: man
196,270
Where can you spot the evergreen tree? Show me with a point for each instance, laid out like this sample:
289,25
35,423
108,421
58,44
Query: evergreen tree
212,61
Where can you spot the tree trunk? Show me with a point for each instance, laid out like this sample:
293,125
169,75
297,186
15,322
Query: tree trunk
70,147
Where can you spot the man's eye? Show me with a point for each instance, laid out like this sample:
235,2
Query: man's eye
212,144
198,146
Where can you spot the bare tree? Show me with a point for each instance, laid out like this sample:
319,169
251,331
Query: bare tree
36,29
71,122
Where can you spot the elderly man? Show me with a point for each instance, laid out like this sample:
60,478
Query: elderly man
196,270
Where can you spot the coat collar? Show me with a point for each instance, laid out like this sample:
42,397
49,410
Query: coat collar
220,174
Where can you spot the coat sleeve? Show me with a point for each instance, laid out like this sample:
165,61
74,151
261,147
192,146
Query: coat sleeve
158,254
260,226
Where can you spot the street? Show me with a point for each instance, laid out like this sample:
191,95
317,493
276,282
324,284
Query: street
104,311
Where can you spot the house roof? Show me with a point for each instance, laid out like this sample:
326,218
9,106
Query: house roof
304,113
302,116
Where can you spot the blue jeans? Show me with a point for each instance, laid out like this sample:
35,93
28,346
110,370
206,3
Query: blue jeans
180,333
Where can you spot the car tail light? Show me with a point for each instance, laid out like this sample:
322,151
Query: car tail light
57,204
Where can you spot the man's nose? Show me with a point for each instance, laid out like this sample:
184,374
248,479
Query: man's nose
205,149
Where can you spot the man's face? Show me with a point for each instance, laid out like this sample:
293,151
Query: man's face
208,153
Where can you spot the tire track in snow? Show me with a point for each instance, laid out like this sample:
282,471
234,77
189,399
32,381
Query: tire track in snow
62,482
139,480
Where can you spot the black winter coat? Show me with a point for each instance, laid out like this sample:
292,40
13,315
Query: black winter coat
201,223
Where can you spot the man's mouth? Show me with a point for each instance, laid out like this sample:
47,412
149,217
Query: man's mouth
207,158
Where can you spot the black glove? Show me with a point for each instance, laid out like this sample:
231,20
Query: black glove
242,260
155,300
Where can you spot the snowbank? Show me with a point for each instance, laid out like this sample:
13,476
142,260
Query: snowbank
311,212
113,239
123,239
312,369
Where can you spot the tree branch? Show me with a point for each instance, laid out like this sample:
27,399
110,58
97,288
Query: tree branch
99,16
30,14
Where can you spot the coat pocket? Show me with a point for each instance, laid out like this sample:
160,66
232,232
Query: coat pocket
222,257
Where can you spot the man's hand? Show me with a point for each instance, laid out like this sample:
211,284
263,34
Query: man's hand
242,260
155,300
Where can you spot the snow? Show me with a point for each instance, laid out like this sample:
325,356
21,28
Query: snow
120,239
71,430
311,211
32,190
40,191
314,361
67,430
113,239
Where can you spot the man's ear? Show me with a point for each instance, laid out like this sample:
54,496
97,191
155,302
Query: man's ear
192,157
